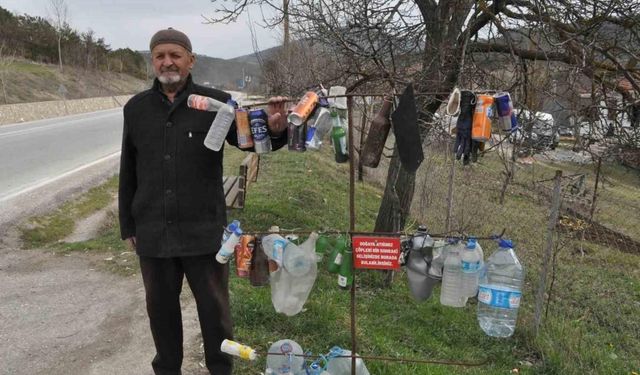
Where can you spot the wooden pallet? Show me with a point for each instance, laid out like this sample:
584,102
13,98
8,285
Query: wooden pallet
235,187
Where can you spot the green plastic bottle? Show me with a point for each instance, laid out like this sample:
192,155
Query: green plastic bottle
339,139
345,276
335,260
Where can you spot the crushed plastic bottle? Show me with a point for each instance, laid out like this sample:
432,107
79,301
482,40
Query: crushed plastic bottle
228,247
285,358
220,127
342,365
500,291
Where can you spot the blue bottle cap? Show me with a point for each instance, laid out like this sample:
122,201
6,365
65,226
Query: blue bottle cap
232,103
507,244
233,226
471,243
238,231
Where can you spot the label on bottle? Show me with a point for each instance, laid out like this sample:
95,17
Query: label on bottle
342,281
338,259
495,296
343,145
470,267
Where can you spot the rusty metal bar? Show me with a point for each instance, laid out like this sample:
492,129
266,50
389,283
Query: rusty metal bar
352,227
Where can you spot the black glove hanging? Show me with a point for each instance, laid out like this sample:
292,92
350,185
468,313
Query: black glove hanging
405,128
462,147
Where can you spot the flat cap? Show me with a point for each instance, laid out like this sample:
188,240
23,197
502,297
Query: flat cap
170,35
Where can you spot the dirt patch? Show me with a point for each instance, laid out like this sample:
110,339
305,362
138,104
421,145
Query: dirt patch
579,227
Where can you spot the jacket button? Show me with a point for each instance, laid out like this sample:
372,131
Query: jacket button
167,157
168,191
169,222
169,124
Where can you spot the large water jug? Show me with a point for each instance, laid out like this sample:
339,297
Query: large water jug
500,291
471,265
285,358
342,365
451,290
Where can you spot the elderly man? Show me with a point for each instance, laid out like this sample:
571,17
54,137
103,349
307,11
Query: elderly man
172,204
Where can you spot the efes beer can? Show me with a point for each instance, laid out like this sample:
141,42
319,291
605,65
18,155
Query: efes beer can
259,119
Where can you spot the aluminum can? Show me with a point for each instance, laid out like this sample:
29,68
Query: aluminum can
296,137
244,254
506,115
301,112
259,129
245,140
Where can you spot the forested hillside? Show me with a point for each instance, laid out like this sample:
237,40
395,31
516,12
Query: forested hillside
36,39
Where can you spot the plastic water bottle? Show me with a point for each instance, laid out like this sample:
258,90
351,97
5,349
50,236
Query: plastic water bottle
500,291
451,291
228,230
437,262
471,265
285,357
220,127
342,365
228,247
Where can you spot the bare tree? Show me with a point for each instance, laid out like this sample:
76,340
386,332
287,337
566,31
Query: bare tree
434,44
59,16
6,59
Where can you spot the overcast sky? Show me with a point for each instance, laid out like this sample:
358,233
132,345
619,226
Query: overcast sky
131,23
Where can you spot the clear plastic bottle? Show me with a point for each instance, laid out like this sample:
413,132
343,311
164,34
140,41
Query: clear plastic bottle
439,257
342,365
500,291
228,247
220,127
423,243
451,291
285,357
471,265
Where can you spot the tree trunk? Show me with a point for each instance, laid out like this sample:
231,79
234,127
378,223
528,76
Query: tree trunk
60,50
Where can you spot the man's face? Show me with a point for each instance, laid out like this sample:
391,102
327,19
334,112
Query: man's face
171,62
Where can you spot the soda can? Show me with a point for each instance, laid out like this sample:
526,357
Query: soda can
301,112
244,254
506,115
259,129
296,137
245,140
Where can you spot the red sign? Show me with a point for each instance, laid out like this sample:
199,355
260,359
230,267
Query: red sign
378,253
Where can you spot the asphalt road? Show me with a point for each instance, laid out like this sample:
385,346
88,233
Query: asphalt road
33,154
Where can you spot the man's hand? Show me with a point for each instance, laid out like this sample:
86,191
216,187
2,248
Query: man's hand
131,243
277,114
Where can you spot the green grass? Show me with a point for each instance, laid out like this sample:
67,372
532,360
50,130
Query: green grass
55,226
592,326
20,66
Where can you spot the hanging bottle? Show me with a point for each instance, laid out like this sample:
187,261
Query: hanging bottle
335,260
451,290
377,135
259,269
339,139
345,275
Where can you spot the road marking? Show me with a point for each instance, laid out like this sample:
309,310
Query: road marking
58,124
46,181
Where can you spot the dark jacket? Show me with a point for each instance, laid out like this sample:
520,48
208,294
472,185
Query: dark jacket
171,195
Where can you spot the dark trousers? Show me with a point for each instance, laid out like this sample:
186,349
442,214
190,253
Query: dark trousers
208,281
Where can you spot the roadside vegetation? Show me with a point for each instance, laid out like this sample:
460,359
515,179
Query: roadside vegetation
592,324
